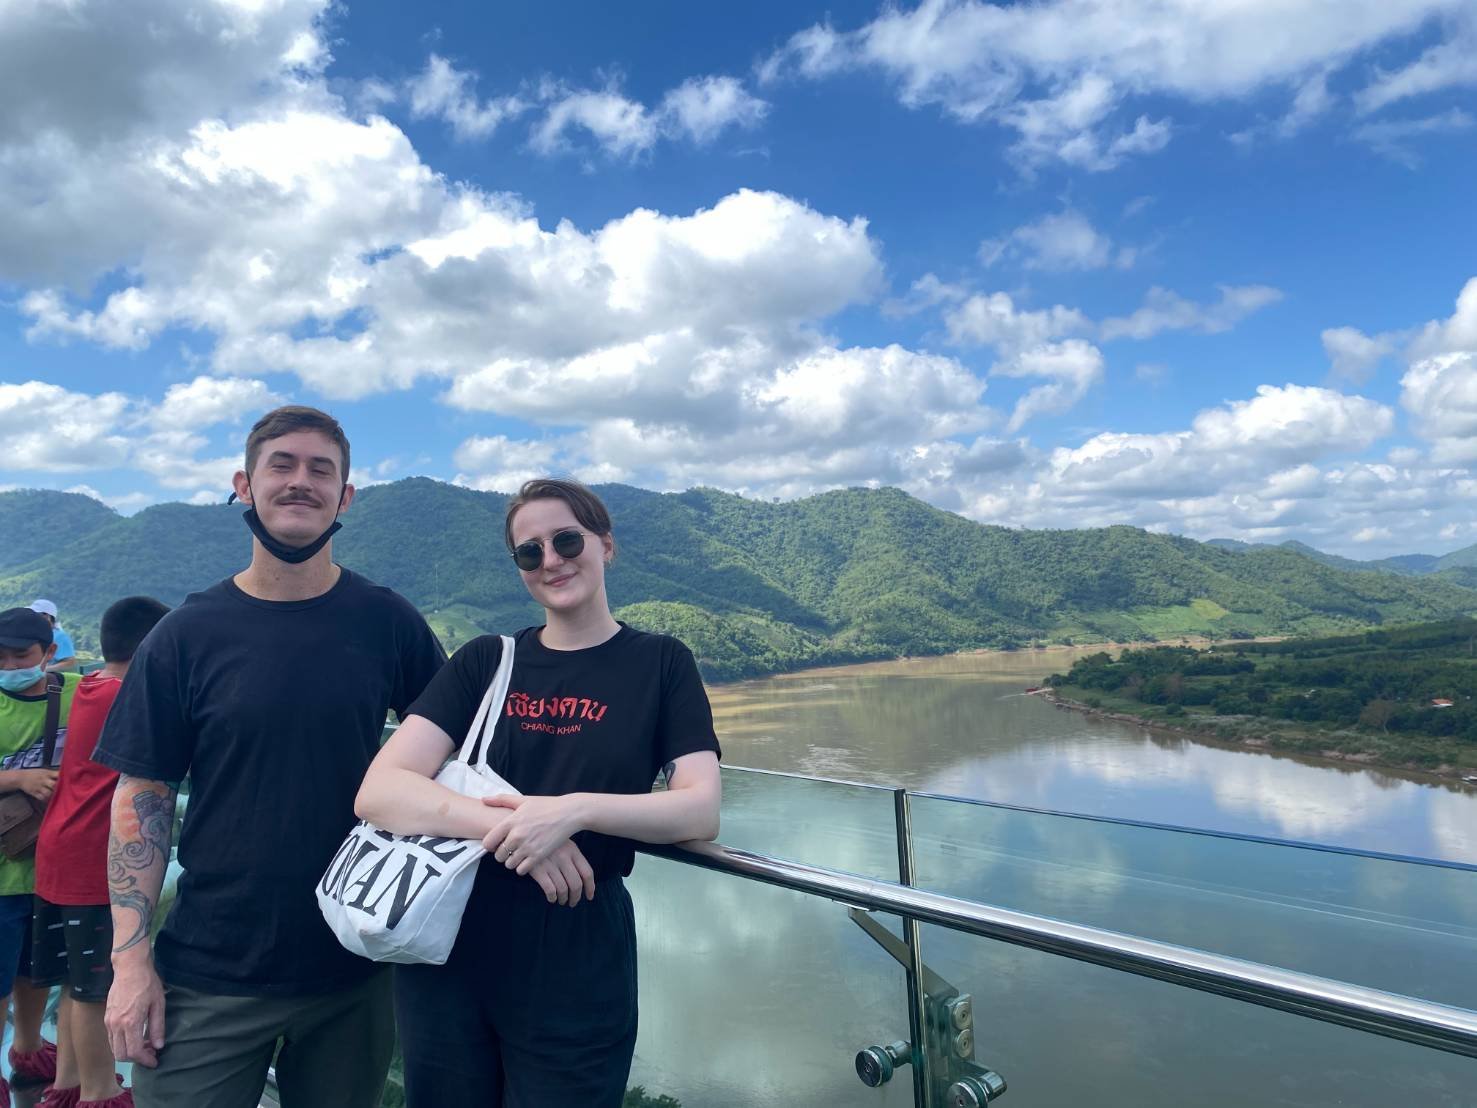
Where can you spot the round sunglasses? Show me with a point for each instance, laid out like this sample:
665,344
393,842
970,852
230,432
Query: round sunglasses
568,543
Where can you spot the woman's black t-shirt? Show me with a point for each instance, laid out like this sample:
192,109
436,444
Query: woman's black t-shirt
605,719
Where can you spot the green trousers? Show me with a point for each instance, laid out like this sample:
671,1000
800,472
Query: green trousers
334,1053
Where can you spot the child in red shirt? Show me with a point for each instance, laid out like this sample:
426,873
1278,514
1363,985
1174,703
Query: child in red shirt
73,938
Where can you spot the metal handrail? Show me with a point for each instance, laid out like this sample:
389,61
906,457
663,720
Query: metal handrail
1118,821
1390,1015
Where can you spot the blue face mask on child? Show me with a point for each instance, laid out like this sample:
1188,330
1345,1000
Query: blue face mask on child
16,680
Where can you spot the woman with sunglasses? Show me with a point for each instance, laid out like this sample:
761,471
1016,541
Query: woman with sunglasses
537,1003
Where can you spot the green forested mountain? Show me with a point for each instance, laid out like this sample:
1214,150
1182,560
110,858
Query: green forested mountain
751,586
1412,565
35,522
1465,558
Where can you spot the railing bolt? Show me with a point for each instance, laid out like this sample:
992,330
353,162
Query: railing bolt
976,1092
964,1043
961,1012
876,1065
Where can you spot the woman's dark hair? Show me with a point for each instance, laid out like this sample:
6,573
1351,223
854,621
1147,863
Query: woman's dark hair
585,505
125,624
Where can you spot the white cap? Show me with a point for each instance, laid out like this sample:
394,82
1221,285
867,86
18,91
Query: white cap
45,607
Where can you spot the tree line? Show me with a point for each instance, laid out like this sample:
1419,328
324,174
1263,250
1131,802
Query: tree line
1395,680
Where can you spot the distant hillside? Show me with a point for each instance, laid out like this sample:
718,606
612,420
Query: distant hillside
1403,565
37,522
753,586
1413,563
1465,558
1407,565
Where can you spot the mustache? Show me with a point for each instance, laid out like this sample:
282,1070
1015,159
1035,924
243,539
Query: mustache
312,502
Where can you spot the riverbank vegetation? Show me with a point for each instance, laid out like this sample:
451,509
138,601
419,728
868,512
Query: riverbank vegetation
1398,696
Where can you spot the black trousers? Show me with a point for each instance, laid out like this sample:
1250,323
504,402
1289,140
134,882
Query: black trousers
535,1007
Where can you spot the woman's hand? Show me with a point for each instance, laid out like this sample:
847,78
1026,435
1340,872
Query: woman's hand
565,876
534,829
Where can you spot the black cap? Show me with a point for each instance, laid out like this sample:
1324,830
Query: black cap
21,627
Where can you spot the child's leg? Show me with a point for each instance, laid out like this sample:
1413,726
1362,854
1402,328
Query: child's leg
67,1076
28,1010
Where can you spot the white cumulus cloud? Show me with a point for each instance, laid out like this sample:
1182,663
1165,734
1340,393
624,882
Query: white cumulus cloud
1065,74
213,181
1164,310
703,107
51,429
699,110
445,92
48,428
623,127
1065,240
1448,64
1071,368
206,401
1395,138
496,463
1440,393
992,319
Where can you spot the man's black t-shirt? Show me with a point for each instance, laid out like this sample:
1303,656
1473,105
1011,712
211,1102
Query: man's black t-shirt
602,720
274,710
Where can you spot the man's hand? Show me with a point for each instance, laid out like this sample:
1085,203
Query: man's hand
135,1013
565,876
38,784
534,829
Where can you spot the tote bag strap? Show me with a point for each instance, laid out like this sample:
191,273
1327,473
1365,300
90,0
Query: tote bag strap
490,708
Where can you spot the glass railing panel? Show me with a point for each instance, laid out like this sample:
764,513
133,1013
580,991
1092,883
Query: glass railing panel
820,823
1068,1033
1392,924
758,997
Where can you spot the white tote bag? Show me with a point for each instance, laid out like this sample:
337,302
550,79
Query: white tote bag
399,898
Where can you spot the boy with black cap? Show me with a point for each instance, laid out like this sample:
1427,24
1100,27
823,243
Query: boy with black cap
26,649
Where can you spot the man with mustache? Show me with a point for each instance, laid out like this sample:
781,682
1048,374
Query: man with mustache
269,691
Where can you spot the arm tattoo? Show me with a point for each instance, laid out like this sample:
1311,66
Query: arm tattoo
138,853
667,771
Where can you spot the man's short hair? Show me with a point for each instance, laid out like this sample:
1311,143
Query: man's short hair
125,624
290,418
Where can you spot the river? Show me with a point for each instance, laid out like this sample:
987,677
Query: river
754,997
961,725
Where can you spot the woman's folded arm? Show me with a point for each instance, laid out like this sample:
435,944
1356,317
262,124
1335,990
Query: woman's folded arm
400,794
687,809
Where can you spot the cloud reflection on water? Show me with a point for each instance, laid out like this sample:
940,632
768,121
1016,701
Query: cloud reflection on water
954,725
759,997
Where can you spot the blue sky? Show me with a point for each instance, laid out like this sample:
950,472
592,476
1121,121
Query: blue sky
1198,267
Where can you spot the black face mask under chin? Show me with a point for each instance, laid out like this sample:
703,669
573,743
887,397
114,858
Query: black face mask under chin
292,555
281,551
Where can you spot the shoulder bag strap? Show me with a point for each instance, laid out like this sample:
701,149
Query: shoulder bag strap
53,718
490,708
